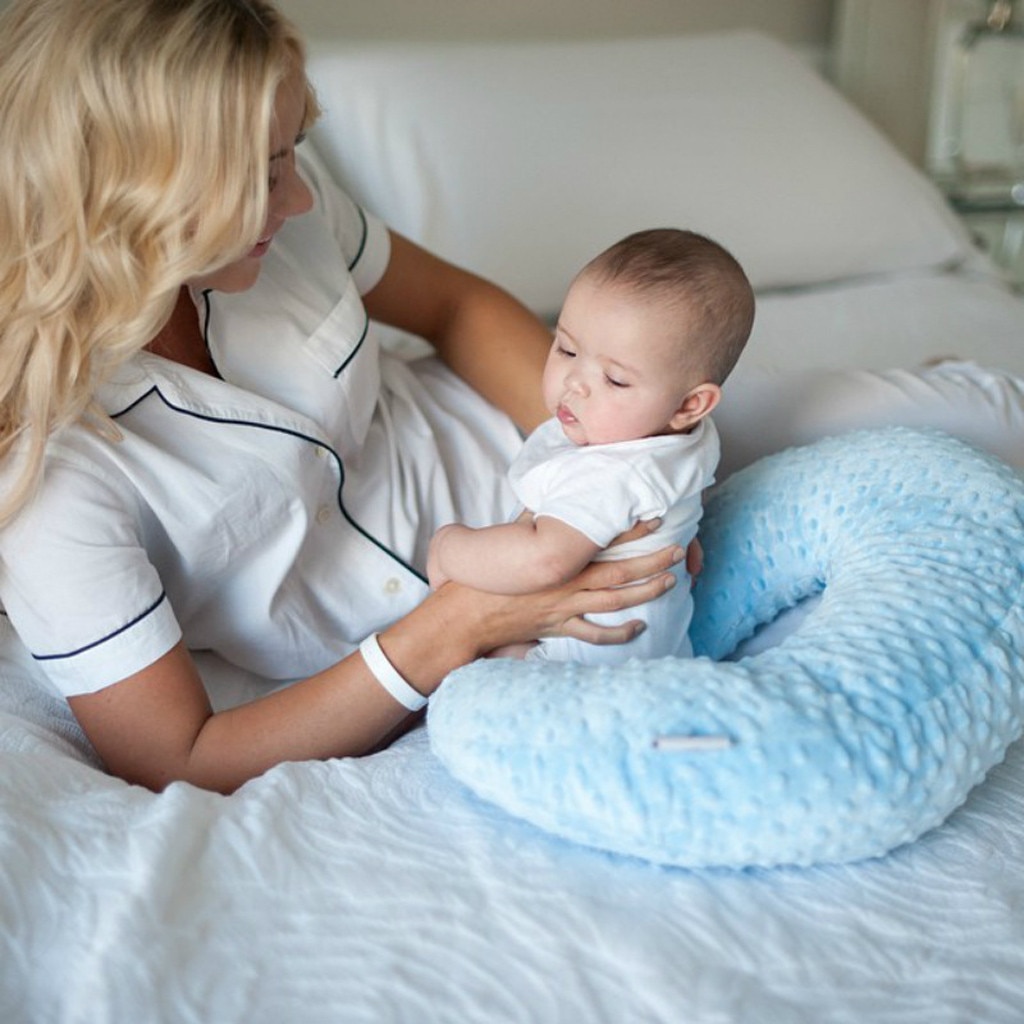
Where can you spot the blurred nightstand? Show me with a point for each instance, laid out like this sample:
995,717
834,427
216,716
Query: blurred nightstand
979,121
996,222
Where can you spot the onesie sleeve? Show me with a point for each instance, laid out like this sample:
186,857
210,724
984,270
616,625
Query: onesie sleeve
608,499
78,587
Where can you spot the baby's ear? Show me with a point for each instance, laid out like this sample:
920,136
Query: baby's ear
695,406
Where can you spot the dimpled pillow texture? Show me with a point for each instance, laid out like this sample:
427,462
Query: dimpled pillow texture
860,731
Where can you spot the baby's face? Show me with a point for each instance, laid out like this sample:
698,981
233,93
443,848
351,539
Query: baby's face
614,372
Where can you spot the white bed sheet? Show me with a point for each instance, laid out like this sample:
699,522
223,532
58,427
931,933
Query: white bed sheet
379,890
898,320
857,354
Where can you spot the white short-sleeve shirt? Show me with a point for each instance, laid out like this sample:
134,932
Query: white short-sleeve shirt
275,516
602,490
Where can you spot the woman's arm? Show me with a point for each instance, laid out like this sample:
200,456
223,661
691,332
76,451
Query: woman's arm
157,726
488,338
511,558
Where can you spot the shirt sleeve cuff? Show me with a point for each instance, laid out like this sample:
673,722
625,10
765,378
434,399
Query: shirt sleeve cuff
117,656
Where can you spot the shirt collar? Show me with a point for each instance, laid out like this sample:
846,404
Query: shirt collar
136,377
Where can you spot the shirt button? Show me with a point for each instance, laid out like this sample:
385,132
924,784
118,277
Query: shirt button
320,452
392,586
323,514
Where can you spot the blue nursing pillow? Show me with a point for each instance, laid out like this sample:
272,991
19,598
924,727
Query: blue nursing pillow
863,729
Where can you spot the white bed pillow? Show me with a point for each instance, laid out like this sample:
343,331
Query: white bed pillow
522,160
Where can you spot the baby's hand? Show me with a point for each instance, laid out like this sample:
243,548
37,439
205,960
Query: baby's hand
436,576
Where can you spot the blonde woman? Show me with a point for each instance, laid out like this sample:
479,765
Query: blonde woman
202,445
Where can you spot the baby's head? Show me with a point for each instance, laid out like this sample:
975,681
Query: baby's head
648,333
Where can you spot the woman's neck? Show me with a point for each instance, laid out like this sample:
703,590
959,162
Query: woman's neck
181,340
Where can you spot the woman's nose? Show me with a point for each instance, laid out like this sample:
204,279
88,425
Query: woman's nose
292,196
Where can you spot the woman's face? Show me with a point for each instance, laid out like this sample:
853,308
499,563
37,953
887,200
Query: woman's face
289,194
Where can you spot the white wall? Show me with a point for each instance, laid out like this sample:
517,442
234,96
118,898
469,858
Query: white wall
891,57
883,59
806,23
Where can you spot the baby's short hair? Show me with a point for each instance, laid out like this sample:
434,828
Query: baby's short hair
682,267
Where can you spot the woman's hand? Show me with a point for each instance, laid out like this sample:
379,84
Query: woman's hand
694,551
478,621
694,559
608,587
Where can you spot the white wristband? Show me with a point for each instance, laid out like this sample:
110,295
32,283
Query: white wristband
388,676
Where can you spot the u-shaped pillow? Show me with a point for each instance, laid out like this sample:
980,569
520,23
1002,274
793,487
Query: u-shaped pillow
863,729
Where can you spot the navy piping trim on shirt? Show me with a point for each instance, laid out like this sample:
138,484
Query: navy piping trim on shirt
291,433
362,242
208,314
337,373
103,639
359,344
355,259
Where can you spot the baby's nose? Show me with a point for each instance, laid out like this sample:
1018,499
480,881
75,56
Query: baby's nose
576,384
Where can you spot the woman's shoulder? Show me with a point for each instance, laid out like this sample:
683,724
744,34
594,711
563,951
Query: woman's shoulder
81,504
360,235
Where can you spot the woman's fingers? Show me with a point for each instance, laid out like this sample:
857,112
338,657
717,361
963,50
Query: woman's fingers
641,529
579,628
617,598
600,575
612,587
694,558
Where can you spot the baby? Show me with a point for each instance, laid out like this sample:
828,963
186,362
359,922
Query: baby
648,332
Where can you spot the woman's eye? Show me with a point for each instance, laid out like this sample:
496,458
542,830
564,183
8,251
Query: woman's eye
272,184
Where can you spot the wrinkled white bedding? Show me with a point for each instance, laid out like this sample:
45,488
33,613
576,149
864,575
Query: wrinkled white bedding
883,321
381,891
923,349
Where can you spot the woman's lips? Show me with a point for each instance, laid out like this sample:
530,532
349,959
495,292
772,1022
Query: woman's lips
260,248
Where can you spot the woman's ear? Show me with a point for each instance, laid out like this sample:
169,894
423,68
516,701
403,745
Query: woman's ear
695,406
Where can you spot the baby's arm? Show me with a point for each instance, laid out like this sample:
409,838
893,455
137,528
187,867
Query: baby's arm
514,558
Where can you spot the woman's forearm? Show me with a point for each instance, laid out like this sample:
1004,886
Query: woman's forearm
156,727
499,348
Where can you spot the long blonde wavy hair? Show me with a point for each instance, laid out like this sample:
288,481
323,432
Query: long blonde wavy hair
134,158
